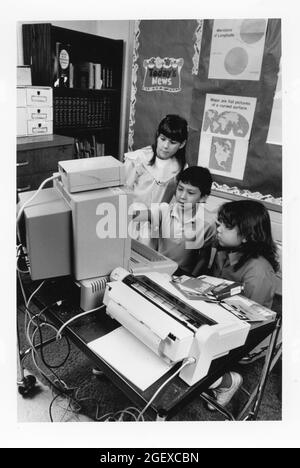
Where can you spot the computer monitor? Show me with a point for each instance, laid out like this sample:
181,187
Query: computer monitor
84,234
100,220
45,231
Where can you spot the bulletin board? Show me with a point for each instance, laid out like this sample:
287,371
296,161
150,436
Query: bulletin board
227,97
165,59
262,177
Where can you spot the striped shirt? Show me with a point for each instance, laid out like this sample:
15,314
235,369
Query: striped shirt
181,236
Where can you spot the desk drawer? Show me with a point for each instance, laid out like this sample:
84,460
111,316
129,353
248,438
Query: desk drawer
42,159
32,181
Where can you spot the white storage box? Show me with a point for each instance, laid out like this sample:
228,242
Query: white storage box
42,127
34,110
21,121
36,96
39,113
23,75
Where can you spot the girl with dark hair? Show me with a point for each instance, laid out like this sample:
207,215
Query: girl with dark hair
151,171
245,253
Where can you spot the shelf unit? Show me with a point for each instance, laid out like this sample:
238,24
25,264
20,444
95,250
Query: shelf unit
84,114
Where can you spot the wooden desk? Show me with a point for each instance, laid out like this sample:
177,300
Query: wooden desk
90,327
37,158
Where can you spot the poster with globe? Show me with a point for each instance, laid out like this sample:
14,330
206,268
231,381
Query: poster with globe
237,49
226,128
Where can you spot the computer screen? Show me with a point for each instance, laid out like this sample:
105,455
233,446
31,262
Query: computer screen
84,234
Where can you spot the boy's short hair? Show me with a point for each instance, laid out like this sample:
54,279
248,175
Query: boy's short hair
198,177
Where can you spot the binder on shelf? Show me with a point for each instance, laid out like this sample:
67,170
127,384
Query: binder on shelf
100,149
110,81
103,77
87,147
71,82
93,147
91,111
87,75
98,81
83,75
91,75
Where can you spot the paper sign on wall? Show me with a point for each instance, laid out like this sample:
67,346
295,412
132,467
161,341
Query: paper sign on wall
162,74
237,49
226,128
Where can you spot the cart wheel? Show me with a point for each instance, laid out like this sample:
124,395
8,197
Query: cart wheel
27,385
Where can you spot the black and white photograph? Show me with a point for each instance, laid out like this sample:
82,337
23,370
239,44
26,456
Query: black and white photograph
151,200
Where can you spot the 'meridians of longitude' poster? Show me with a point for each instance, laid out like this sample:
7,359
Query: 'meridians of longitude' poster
237,48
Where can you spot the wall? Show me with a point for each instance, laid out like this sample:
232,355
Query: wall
261,171
122,29
116,29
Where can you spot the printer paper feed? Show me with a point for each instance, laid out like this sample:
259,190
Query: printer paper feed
143,333
130,357
142,309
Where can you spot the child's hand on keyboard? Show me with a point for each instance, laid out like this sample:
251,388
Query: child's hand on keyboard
140,212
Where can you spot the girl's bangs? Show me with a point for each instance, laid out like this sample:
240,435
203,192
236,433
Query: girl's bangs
172,134
227,217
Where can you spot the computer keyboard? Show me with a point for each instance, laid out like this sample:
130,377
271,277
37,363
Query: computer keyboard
146,252
144,259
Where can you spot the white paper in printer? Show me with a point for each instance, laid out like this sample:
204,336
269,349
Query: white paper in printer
130,357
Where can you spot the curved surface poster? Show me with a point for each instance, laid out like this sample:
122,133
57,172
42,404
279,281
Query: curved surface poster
226,128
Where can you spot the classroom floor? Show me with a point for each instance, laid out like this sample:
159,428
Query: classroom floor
97,396
35,408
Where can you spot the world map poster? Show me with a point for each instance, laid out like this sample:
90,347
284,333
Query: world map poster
226,129
237,49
